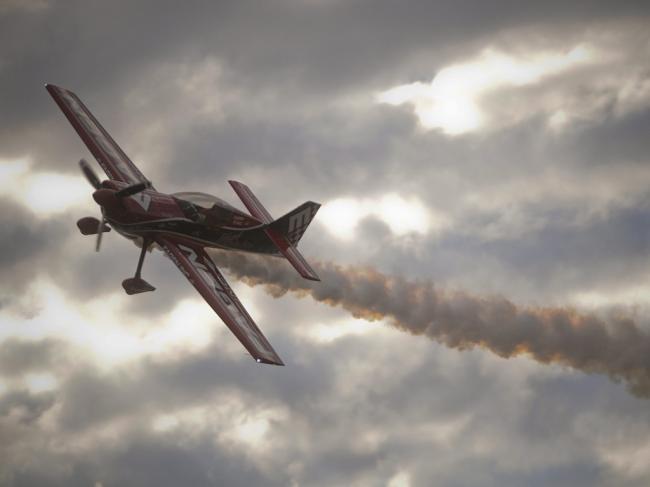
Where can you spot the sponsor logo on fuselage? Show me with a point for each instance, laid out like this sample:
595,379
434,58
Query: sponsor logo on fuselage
298,223
143,199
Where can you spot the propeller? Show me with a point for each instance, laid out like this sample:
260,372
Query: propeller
94,181
100,232
91,176
131,190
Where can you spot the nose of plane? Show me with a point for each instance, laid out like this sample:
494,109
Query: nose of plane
106,198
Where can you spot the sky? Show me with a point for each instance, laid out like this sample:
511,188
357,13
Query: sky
484,244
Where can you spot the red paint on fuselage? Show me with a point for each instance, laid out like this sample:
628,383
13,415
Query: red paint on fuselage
151,212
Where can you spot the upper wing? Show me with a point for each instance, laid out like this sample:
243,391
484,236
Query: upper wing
199,269
110,156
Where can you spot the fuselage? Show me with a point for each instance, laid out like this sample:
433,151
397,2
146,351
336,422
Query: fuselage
150,212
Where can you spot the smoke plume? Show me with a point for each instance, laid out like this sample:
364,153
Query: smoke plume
618,347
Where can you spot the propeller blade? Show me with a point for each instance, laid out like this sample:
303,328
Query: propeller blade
100,231
131,190
91,176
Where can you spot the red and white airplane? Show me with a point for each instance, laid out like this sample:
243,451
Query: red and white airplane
183,224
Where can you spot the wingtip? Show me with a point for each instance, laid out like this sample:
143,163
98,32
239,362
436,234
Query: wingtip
277,361
55,88
310,275
52,89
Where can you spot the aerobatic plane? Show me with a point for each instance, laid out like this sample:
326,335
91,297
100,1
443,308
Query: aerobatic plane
183,225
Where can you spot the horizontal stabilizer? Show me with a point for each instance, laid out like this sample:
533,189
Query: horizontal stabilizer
251,202
294,257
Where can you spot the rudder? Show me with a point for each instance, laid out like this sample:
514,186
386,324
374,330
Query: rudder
293,224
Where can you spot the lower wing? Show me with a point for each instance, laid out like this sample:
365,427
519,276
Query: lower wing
201,271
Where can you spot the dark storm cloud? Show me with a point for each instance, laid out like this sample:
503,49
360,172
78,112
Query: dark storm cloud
90,400
287,69
143,458
166,463
615,139
25,406
23,236
27,243
91,397
322,412
606,252
20,356
327,152
609,251
295,49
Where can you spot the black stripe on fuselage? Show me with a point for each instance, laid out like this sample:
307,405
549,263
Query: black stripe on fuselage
250,240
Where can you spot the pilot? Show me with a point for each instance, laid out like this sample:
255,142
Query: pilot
217,216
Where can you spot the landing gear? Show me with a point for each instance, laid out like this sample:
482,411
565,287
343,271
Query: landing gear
90,226
136,284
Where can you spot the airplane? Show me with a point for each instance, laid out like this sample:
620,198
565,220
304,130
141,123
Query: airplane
183,225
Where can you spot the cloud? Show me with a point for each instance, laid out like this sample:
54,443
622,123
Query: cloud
44,193
450,102
402,216
28,6
24,406
28,246
542,207
600,77
21,356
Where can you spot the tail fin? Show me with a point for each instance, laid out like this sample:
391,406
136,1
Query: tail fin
293,224
284,232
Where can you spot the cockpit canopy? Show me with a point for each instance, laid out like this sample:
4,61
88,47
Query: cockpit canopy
209,209
203,200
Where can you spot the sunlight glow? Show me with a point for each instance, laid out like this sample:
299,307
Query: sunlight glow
631,296
45,193
95,327
403,216
252,430
332,331
632,461
231,417
188,326
451,102
401,479
41,382
342,216
164,422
